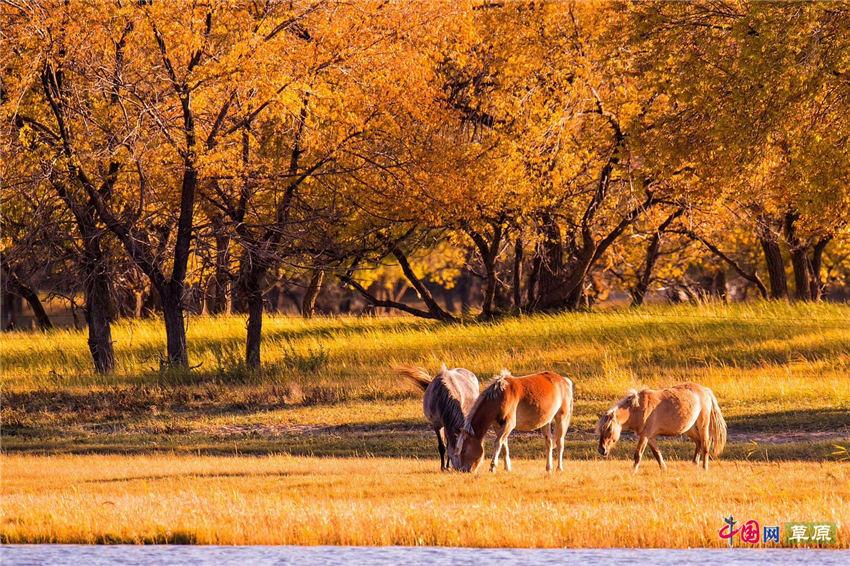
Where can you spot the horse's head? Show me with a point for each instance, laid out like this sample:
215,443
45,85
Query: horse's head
608,429
469,452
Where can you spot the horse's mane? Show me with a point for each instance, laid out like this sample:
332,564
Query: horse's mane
494,389
449,399
632,400
444,391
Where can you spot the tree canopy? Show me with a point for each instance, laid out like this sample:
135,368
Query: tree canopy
210,156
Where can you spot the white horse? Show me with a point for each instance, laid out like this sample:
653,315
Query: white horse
448,397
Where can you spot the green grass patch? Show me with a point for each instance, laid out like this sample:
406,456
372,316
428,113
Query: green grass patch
778,369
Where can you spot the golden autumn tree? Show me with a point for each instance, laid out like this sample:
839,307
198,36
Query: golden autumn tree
309,164
556,93
132,99
759,91
549,150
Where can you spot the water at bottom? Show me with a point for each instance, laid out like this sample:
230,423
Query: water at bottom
14,555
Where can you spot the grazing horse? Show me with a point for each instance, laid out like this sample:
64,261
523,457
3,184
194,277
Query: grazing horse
541,400
687,408
448,397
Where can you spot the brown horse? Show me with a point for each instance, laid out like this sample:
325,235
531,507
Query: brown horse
448,397
688,408
541,400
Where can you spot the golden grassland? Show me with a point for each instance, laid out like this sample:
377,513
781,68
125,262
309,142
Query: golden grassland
374,501
137,456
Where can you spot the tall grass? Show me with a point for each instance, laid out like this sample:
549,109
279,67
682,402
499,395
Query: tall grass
757,352
284,500
652,339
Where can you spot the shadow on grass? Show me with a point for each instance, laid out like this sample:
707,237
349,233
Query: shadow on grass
191,475
808,420
402,444
129,404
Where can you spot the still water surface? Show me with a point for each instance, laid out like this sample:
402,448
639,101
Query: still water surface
249,555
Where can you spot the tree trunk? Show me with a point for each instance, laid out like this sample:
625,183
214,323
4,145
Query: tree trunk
575,297
98,314
99,308
175,330
533,277
434,310
488,250
551,256
561,284
308,305
489,287
518,274
219,299
565,292
19,287
775,267
802,274
562,288
718,285
41,318
464,290
799,258
11,308
139,303
652,252
254,298
816,265
645,277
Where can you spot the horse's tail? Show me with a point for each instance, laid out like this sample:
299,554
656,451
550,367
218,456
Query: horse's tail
416,374
716,428
570,396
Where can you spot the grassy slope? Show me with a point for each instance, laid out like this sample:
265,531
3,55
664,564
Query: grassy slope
776,368
286,500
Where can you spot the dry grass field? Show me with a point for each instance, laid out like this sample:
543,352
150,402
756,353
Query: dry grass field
328,446
378,501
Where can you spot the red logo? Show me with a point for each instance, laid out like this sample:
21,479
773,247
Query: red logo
728,531
750,532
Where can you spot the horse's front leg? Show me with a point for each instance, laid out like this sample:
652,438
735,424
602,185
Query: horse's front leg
444,465
502,441
560,433
641,446
547,434
657,453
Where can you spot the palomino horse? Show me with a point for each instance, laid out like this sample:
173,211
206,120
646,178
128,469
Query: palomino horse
688,408
541,400
448,397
